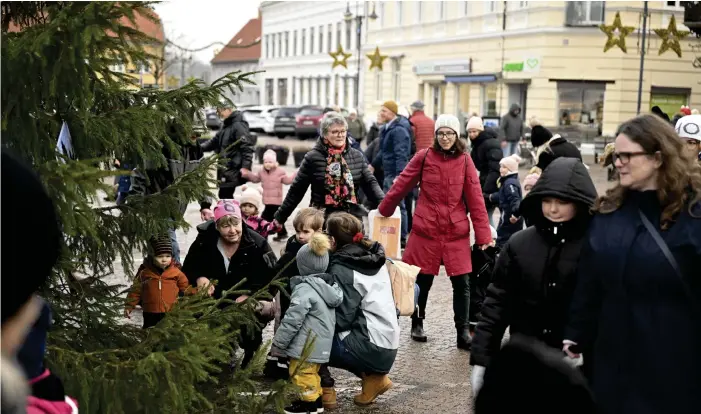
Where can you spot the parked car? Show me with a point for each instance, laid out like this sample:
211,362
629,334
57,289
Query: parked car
212,120
307,121
284,124
260,116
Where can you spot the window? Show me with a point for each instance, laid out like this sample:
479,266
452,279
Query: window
396,79
400,12
294,43
303,47
282,90
338,34
267,46
329,39
286,44
348,35
489,99
381,13
677,4
144,67
378,85
584,13
312,111
321,39
441,10
269,91
311,41
492,6
465,9
580,103
419,10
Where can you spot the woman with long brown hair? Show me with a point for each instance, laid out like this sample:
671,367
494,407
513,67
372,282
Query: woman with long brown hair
636,311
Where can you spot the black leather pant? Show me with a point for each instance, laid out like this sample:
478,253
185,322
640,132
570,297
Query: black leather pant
461,298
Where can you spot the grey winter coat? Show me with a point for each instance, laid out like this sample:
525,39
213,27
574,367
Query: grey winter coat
512,124
311,311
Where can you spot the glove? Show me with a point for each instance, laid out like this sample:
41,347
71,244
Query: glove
477,379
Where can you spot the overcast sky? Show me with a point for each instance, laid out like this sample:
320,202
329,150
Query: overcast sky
195,24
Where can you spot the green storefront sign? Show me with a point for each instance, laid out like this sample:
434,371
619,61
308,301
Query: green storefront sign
530,64
513,67
668,103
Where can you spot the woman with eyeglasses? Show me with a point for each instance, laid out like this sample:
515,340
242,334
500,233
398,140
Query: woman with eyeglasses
636,311
335,172
440,235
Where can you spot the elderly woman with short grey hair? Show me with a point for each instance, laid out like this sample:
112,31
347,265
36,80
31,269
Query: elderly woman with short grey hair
335,172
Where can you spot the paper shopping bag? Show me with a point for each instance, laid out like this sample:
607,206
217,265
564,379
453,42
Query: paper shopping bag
387,231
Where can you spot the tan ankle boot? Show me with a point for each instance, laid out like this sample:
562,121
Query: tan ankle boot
328,398
374,385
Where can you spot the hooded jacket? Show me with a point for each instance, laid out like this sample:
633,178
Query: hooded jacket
512,124
486,154
157,289
239,156
395,146
535,273
311,313
366,320
272,183
509,199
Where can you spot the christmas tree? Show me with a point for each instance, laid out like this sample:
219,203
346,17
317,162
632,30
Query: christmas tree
57,69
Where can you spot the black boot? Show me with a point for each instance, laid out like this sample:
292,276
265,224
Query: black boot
417,330
464,339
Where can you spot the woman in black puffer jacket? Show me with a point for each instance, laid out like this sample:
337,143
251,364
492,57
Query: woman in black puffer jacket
335,172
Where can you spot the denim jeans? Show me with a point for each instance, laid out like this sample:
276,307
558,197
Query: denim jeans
510,148
402,206
174,244
342,359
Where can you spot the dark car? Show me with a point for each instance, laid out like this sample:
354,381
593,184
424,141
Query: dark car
212,120
285,122
308,119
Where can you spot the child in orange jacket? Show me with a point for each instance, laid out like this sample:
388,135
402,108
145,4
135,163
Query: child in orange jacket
157,284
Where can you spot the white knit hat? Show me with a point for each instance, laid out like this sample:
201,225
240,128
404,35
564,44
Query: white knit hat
252,195
475,123
689,127
511,163
449,121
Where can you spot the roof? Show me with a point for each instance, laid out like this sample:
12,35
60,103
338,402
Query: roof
146,25
248,34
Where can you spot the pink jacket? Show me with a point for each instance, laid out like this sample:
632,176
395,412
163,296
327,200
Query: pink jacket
37,405
260,226
272,183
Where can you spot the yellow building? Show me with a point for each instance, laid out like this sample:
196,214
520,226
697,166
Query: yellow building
148,74
463,57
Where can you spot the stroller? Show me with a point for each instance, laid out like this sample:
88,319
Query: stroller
480,278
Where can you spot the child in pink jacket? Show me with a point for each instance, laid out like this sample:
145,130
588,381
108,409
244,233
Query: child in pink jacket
250,201
273,177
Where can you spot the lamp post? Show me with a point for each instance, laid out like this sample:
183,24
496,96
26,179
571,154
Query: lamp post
348,17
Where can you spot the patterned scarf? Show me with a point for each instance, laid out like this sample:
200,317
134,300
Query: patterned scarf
339,180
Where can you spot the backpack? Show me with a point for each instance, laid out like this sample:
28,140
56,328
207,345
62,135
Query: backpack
402,277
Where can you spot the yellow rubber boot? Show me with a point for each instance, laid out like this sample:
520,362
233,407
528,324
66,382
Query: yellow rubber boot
328,398
374,385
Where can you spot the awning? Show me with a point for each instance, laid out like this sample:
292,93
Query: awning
472,78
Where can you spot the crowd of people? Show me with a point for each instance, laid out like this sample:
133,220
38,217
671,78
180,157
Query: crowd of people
608,283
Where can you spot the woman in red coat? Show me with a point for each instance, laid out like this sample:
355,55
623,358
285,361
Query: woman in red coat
440,233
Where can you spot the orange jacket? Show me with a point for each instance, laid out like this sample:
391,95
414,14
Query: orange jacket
423,130
157,291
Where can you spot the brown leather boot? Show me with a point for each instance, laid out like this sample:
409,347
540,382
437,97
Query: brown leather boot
328,398
374,385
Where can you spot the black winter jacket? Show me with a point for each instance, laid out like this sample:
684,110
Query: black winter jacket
254,260
313,172
557,147
373,134
239,156
509,199
486,154
535,274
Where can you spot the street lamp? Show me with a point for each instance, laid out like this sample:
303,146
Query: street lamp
348,17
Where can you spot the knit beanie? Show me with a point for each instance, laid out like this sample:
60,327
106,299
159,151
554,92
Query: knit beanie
227,207
475,123
269,156
540,135
161,245
253,196
530,179
392,106
511,163
448,121
19,182
313,257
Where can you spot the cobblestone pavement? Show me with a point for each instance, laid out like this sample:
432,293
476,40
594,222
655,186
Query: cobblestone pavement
428,377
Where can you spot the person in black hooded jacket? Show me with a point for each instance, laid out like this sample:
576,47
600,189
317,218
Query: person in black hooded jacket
535,274
551,146
486,154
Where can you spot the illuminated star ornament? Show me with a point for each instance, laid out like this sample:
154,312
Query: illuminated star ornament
376,59
671,37
340,57
616,34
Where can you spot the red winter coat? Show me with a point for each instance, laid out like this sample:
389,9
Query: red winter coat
423,130
440,232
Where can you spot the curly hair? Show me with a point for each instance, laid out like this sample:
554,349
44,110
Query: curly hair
679,176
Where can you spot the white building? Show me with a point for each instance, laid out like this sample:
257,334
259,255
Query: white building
297,37
245,59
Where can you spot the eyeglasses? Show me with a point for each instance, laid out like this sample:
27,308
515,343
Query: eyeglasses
692,143
449,135
338,133
625,157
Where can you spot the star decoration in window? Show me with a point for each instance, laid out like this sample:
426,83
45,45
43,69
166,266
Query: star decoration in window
376,59
616,34
671,37
340,57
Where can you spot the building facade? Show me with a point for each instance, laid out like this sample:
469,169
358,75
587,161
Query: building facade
297,39
463,57
245,59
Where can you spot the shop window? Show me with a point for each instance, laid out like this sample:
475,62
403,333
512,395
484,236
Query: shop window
580,103
584,13
396,79
489,100
378,85
269,91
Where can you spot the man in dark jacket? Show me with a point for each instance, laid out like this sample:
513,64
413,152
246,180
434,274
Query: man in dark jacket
511,130
240,156
486,155
551,146
227,250
395,151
